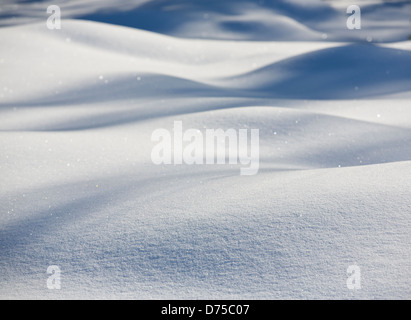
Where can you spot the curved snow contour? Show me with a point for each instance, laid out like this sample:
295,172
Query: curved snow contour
80,190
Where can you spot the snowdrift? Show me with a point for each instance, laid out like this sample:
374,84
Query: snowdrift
79,189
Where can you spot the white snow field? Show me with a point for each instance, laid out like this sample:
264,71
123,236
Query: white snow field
79,190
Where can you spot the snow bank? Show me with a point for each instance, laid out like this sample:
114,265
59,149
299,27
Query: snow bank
79,190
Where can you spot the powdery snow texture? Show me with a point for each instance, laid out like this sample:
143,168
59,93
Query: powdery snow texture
78,188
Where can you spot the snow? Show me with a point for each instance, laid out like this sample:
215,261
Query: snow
79,189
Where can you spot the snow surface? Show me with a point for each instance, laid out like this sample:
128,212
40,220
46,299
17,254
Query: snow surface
78,188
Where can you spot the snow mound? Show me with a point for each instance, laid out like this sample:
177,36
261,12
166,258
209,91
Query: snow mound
79,189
